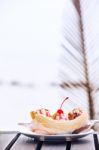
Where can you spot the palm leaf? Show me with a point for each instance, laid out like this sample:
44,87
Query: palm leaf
79,70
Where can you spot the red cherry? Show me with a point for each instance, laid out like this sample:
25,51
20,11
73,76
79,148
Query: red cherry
60,111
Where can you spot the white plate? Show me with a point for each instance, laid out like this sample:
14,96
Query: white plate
68,137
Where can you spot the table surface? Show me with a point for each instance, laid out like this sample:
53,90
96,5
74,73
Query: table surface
17,141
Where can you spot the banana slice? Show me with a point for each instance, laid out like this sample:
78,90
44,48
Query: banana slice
52,126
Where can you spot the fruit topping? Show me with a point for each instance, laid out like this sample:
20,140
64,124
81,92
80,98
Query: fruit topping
60,113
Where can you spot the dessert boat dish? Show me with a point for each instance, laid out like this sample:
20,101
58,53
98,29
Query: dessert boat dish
43,122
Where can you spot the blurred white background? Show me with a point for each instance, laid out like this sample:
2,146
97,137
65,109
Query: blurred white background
29,39
30,33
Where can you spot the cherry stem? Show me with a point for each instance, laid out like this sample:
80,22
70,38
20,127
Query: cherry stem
63,102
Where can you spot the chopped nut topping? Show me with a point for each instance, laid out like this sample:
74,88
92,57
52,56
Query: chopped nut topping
75,113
